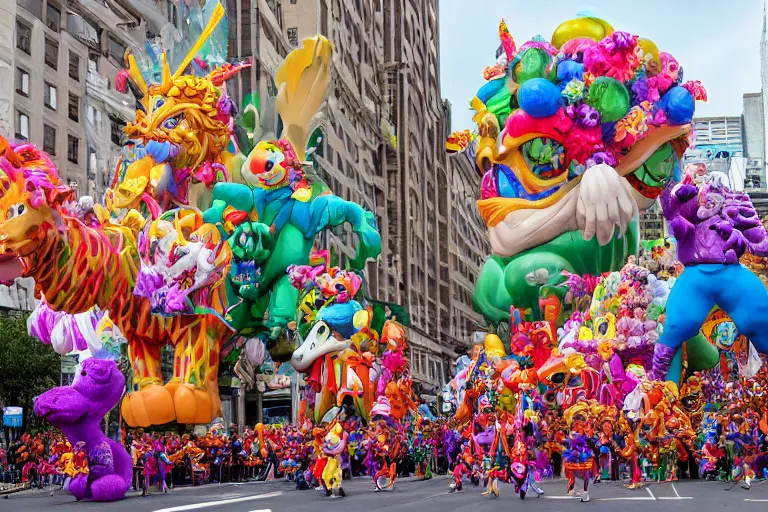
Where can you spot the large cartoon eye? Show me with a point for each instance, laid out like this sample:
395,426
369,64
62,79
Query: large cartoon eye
322,334
15,210
545,157
172,123
269,165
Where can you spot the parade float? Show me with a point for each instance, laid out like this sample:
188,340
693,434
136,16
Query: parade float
206,243
192,246
575,136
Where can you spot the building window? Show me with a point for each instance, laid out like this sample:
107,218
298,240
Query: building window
22,126
53,17
93,115
23,37
91,163
73,146
74,66
22,82
49,140
34,7
74,108
93,62
293,36
49,96
116,131
52,53
116,50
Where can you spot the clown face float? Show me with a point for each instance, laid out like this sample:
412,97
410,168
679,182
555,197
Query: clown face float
575,136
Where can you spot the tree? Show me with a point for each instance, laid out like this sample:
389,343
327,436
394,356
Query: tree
27,366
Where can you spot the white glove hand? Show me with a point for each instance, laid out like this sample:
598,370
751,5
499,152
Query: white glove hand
605,202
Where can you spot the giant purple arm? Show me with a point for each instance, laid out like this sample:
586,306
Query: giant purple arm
676,203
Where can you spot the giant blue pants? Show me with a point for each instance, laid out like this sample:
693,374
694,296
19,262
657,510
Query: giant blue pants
734,288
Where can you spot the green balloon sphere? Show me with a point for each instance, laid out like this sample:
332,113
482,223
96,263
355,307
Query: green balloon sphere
610,98
533,64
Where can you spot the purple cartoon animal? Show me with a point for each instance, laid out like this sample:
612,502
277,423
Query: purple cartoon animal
77,410
713,226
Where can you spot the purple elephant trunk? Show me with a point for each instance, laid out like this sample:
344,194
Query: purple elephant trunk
78,410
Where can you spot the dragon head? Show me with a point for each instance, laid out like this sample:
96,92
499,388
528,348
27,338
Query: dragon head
32,200
179,139
550,112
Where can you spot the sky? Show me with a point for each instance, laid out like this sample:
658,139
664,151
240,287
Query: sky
715,41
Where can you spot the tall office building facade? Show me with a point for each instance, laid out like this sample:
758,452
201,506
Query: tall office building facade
60,60
384,129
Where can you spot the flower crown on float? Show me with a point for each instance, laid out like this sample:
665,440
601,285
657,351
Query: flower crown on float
590,96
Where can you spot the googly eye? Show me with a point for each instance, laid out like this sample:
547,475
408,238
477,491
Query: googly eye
15,210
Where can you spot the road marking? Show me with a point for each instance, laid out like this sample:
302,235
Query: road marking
628,498
649,492
747,499
673,488
207,504
677,498
262,510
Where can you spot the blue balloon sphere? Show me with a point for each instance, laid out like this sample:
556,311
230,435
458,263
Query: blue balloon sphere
678,104
539,97
567,70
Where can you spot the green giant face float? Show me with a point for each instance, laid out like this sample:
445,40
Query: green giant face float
574,138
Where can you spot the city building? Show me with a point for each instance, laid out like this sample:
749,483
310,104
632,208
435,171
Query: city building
652,223
753,135
719,133
384,129
754,142
63,58
764,75
256,31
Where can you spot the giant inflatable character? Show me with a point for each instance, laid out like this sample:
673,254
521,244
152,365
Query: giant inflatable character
714,227
178,143
351,348
575,136
283,207
78,410
150,260
78,266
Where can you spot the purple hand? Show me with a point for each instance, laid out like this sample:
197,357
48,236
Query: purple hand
685,192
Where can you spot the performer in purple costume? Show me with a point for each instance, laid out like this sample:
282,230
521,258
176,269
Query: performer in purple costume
78,410
714,227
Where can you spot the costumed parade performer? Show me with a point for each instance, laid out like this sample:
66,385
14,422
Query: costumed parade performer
334,443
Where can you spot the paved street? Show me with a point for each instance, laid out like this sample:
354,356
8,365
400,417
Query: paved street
431,496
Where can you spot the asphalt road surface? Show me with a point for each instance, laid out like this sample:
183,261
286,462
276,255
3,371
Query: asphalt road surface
411,495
